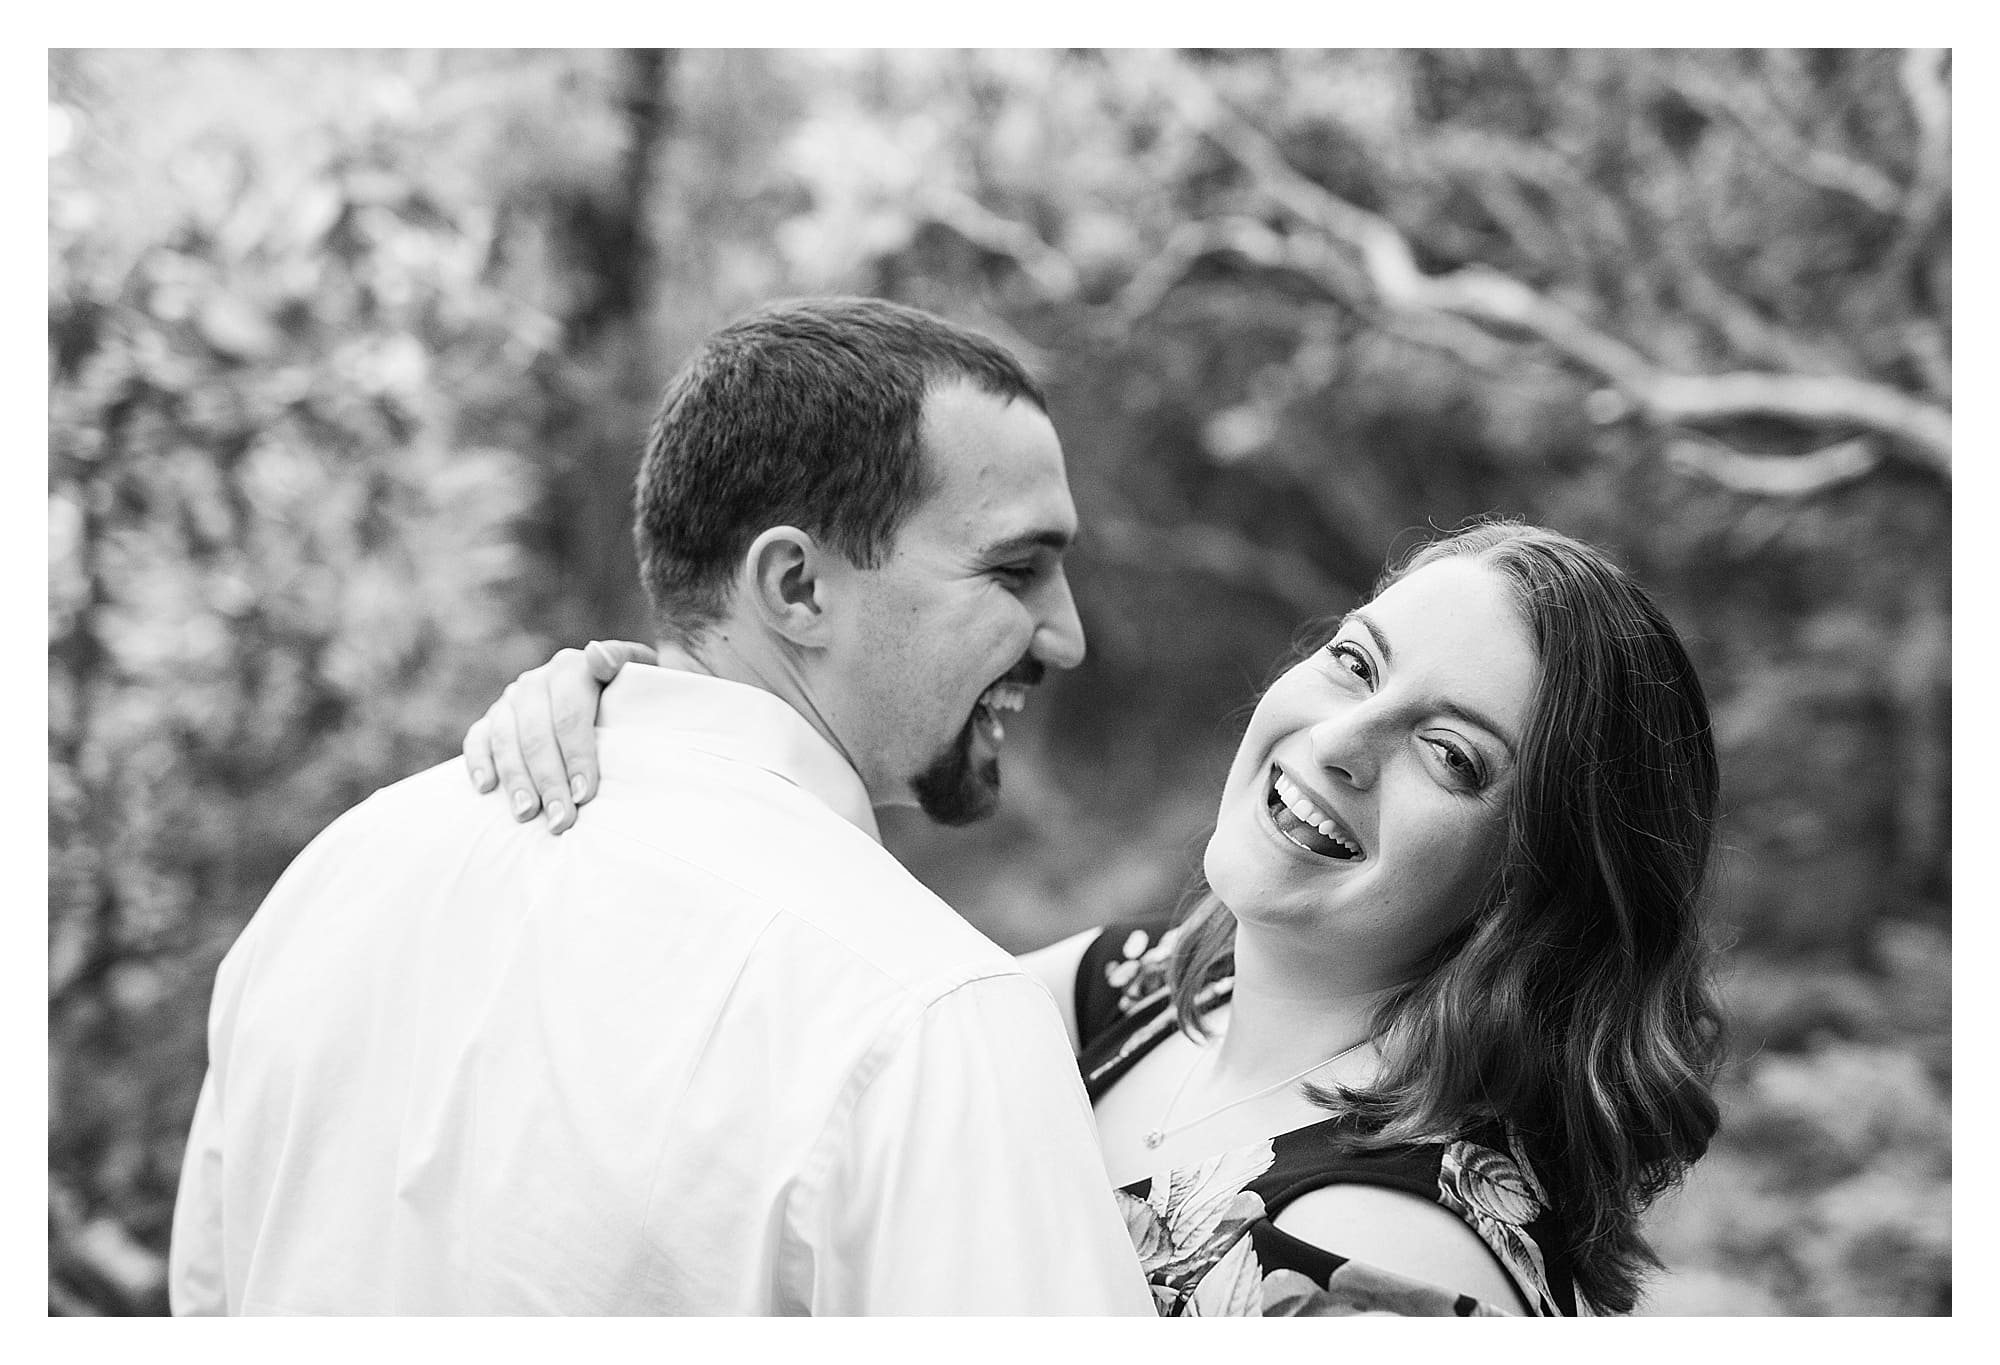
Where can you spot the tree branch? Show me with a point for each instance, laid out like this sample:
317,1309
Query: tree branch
1781,476
1742,326
1216,553
1255,242
1926,344
1804,398
1772,133
1052,272
1581,220
1487,296
1930,104
1313,257
1930,186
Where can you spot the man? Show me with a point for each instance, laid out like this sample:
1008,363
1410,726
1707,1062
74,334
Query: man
716,1052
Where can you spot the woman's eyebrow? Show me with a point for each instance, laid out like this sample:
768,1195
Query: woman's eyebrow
1375,631
1450,708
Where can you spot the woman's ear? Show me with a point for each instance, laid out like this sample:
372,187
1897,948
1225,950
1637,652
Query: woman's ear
785,583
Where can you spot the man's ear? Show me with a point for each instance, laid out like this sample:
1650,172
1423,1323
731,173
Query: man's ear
785,582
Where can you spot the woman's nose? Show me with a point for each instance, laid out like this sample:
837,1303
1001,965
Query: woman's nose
1349,744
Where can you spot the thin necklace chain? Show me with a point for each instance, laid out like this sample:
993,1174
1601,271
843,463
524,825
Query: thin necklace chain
1161,1132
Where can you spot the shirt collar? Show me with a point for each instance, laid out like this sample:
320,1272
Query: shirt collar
739,722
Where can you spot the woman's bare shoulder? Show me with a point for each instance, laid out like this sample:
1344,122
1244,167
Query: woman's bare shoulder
1404,1234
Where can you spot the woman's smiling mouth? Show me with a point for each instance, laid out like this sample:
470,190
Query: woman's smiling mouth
1299,819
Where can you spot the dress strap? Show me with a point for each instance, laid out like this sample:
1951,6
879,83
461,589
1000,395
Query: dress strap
1122,970
1406,1170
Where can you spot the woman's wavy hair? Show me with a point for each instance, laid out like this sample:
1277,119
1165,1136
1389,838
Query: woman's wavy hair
1575,1003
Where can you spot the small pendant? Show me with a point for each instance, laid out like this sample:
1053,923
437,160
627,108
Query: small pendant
1154,1139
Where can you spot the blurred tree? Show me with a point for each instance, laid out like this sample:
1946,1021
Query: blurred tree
1829,1190
284,564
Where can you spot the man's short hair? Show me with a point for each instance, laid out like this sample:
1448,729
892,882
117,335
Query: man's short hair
806,413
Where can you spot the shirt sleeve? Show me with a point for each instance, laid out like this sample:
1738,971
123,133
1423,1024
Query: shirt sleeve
966,1177
197,1271
195,1283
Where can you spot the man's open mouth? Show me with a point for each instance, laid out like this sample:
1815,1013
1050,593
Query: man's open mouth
996,700
1300,819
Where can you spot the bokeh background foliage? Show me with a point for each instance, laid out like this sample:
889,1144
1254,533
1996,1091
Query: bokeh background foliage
350,355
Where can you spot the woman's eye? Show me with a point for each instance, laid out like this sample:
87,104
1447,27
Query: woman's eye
1461,764
1352,659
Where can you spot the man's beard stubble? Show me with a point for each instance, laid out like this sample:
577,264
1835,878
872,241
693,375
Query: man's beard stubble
955,788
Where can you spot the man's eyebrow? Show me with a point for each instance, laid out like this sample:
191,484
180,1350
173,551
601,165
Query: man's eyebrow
1027,542
1450,708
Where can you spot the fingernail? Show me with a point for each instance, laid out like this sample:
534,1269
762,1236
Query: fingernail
482,779
558,816
576,786
524,804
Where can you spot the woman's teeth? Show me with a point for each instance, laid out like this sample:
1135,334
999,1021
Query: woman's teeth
1308,821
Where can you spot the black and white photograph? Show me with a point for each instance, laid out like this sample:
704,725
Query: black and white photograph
1007,682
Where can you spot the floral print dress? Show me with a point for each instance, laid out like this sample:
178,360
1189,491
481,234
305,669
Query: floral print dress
1206,1235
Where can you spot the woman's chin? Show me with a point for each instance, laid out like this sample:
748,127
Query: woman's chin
1239,881
1249,866
1223,864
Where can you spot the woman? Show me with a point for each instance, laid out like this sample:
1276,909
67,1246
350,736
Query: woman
1437,1028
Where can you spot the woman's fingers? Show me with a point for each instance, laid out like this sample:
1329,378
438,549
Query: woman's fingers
478,752
538,742
577,679
542,781
606,657
504,742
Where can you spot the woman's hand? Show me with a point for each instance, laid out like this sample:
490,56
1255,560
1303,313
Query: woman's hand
538,742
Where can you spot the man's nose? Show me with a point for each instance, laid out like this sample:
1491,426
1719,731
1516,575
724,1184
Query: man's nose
1058,640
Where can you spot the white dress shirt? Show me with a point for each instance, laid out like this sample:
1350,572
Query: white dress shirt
711,1051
